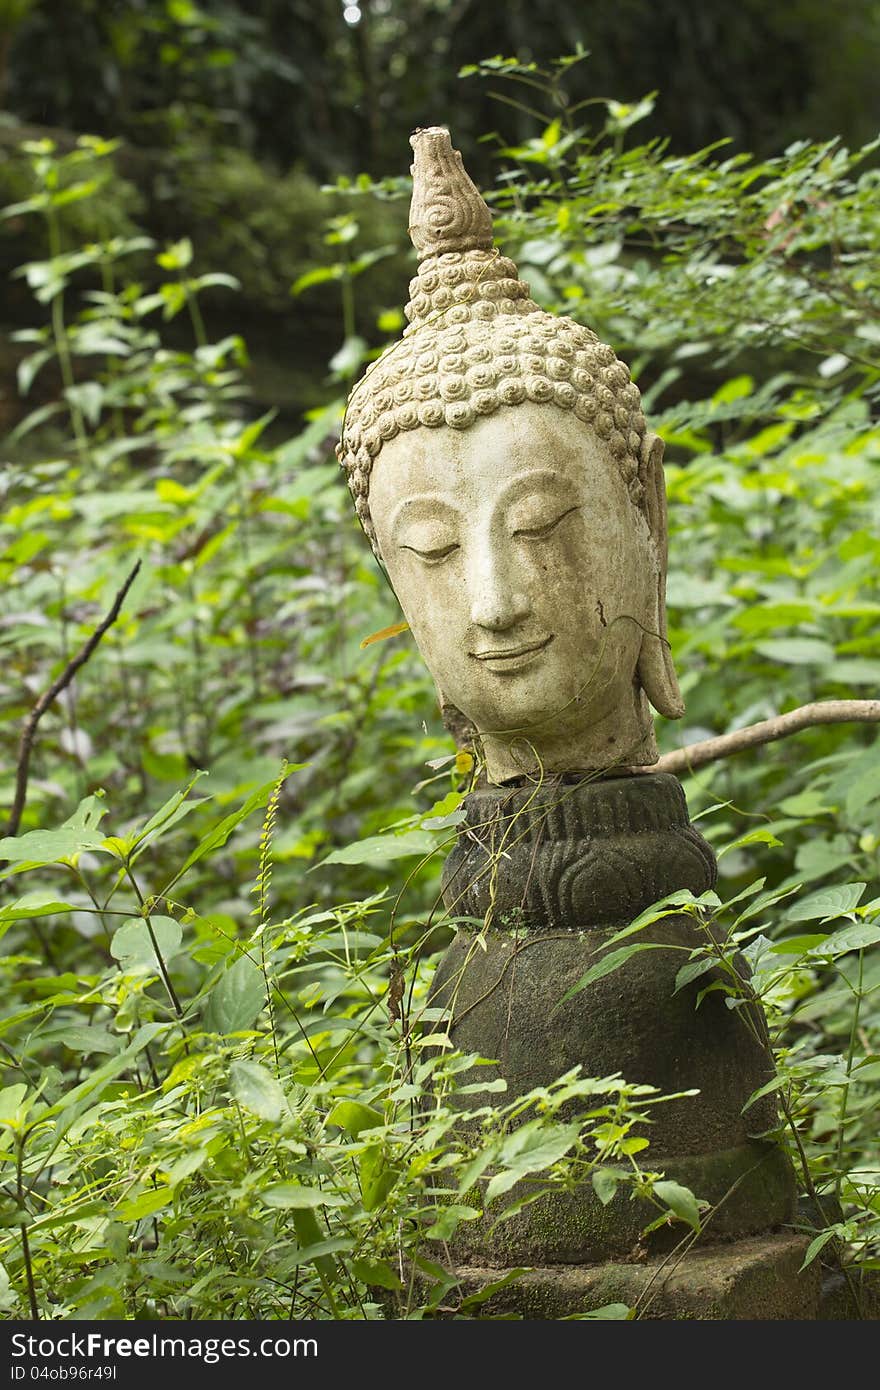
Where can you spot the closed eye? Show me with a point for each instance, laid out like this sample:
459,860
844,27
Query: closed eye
537,533
433,557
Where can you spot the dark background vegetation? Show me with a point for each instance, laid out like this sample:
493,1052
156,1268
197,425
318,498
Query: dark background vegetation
234,115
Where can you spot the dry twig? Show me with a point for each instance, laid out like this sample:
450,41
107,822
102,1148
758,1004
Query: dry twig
50,695
806,717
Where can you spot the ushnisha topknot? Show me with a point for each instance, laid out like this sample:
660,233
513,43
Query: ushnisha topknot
476,341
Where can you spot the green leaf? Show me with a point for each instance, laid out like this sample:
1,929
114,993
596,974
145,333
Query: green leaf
353,1116
618,1312
237,998
473,1300
37,904
816,1245
826,903
448,1219
680,1200
84,1040
693,970
754,837
291,1196
607,966
256,1089
797,945
377,1176
379,849
8,1296
737,389
11,1098
797,651
145,1204
605,1183
855,937
217,836
531,1149
88,398
132,947
318,276
375,1274
40,847
174,809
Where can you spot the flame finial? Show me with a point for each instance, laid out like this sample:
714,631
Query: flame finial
447,212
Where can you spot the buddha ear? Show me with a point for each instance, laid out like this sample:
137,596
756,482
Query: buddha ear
655,669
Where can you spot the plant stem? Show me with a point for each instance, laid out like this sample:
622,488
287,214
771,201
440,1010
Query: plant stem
844,1094
62,346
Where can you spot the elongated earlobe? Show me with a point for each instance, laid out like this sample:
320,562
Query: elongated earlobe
655,669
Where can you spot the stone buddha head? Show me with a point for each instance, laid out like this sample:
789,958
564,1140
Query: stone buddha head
501,467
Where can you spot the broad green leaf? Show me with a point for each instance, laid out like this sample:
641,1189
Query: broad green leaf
375,1274
237,998
798,945
797,651
607,966
605,1183
353,1116
132,947
147,1203
855,937
680,1200
217,836
447,1221
256,1089
84,1040
530,1150
693,970
287,1196
37,904
379,849
39,847
11,1098
826,903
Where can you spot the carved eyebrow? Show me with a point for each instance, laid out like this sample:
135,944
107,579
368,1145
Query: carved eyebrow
413,509
543,478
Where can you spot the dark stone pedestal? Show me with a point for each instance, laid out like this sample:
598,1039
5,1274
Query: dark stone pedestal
551,873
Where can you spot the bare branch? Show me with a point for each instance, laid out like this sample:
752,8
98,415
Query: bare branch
50,695
806,717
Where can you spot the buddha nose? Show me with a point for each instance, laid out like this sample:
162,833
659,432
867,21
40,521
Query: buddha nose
497,602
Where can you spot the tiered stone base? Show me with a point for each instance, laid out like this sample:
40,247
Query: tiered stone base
756,1278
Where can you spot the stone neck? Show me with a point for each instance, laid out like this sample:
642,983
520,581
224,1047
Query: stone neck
624,737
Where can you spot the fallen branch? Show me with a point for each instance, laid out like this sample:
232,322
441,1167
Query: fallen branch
50,695
806,717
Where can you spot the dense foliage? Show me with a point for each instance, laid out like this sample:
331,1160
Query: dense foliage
221,902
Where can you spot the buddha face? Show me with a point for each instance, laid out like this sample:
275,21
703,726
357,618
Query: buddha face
529,579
